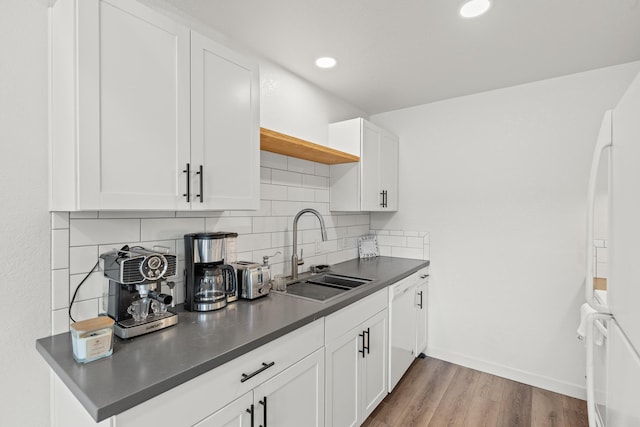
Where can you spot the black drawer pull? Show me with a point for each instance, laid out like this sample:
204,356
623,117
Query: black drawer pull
265,366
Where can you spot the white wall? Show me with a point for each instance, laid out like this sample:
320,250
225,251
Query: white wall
499,179
24,220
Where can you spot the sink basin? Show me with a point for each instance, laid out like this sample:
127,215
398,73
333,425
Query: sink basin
324,287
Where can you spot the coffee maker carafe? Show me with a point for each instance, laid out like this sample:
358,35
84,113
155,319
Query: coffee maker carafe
209,282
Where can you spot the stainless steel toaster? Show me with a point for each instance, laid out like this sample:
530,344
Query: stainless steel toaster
254,280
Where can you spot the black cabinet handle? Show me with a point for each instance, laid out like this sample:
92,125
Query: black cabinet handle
383,194
265,366
263,402
363,346
368,343
382,199
188,172
420,305
250,410
201,173
385,199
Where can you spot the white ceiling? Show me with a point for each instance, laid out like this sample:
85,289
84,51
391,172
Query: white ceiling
399,53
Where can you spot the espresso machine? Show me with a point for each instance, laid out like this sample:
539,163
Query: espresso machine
134,298
209,281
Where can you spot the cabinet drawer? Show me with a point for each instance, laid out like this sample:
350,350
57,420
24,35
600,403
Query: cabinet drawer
196,399
349,317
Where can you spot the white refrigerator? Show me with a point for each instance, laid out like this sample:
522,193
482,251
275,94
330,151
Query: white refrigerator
612,317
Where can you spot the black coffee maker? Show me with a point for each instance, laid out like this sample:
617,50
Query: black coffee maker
209,282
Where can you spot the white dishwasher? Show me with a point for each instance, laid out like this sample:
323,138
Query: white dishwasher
407,323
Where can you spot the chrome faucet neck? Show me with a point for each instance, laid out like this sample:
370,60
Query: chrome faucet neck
323,232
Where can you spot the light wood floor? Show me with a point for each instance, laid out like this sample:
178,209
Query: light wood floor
435,393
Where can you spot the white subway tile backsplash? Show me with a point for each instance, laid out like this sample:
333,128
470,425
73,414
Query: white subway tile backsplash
273,160
92,287
85,232
280,177
396,233
253,242
59,289
59,220
273,192
415,242
392,240
323,170
602,254
171,228
321,196
288,208
269,224
240,225
265,175
385,250
83,310
314,181
59,249
300,165
59,321
415,253
264,210
82,258
300,194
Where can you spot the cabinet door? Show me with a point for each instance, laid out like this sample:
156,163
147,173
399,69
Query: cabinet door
295,397
342,379
421,316
370,168
225,128
133,106
389,170
374,364
403,333
236,414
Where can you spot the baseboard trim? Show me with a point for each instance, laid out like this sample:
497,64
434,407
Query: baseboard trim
574,390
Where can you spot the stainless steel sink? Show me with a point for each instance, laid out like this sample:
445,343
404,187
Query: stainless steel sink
324,287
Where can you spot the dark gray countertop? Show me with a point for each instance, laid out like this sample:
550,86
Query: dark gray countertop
144,367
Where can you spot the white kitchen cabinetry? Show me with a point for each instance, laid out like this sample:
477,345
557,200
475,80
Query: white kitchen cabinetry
371,184
356,361
225,128
407,323
292,398
125,121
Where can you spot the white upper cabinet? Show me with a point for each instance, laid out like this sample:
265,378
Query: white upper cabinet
129,111
371,184
225,128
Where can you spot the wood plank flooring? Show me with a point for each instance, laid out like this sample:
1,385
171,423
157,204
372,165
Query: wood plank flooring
435,393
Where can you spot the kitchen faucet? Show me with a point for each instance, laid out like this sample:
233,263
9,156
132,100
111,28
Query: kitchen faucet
294,258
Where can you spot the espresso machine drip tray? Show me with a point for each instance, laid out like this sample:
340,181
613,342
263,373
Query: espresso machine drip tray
129,328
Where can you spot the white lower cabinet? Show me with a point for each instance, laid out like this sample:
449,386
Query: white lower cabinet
292,398
356,361
238,413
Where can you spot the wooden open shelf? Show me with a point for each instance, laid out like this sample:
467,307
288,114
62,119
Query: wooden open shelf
280,143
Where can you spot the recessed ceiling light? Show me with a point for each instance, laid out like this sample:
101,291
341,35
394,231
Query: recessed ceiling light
326,62
474,8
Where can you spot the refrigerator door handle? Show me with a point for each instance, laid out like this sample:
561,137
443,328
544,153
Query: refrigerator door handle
591,402
604,141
